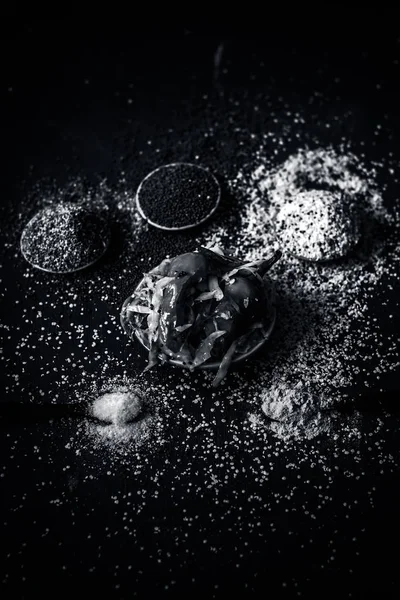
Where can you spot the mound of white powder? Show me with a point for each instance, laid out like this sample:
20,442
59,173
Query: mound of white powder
317,225
118,407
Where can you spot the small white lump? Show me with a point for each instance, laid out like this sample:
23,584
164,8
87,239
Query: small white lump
118,407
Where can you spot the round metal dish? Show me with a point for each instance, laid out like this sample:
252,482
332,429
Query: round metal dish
191,225
102,250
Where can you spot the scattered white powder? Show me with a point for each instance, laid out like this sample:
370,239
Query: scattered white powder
327,333
326,326
265,482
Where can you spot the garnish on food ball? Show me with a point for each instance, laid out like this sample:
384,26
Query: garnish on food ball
202,309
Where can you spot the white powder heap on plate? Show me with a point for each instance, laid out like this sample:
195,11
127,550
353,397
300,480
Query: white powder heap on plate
267,191
327,334
317,225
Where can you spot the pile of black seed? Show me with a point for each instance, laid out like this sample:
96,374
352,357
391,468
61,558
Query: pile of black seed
64,238
178,196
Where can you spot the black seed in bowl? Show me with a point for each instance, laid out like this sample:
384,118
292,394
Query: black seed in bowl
178,196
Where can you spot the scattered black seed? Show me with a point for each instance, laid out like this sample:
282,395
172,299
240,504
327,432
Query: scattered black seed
178,196
64,238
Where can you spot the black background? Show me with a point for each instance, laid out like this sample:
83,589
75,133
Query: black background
52,119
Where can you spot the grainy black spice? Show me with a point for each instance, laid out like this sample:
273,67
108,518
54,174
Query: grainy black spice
178,196
64,238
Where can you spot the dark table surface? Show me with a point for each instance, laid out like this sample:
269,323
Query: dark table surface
81,103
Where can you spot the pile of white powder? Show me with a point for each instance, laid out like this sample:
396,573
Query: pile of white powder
119,407
125,418
317,225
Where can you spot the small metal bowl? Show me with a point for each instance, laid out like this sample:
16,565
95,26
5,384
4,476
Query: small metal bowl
183,227
102,233
135,332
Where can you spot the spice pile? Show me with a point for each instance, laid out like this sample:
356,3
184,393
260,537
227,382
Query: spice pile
317,225
124,420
